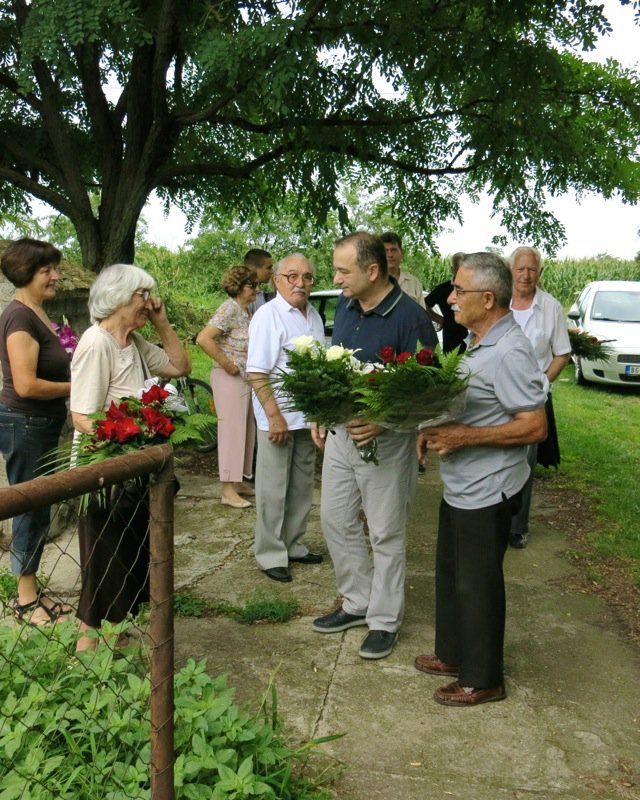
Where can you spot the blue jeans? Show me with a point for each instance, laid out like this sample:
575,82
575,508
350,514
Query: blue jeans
23,442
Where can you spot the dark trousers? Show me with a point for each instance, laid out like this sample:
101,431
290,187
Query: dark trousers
470,592
114,557
24,441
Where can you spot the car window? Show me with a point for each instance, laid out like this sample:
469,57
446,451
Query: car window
326,307
616,306
583,302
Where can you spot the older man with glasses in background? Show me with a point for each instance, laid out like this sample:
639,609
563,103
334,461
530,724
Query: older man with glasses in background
286,454
484,470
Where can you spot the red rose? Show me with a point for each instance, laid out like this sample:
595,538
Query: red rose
387,354
402,357
106,429
126,429
425,357
157,422
120,411
155,394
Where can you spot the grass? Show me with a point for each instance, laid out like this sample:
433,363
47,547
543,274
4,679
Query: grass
599,433
258,608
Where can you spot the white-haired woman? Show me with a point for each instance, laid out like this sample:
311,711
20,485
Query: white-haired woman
112,361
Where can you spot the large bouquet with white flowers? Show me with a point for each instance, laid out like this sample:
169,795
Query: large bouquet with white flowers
403,391
321,383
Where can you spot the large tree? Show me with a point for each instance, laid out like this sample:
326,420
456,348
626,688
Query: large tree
231,104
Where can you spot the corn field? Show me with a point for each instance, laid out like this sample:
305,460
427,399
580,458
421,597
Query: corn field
562,278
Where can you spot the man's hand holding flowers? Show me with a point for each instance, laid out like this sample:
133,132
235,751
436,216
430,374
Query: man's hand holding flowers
363,432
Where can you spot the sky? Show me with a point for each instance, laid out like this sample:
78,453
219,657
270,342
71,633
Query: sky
593,225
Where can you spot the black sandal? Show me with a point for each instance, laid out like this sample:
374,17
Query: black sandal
54,612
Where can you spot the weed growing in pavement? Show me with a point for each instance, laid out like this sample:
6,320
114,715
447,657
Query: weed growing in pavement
264,608
79,728
257,608
186,604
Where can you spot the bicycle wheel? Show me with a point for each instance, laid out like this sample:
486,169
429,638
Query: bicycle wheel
199,397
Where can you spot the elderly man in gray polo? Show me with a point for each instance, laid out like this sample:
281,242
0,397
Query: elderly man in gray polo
484,469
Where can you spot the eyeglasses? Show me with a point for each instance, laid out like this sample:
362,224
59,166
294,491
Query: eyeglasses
293,277
460,291
252,285
145,294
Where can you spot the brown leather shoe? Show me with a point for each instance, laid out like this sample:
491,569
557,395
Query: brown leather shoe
434,666
454,695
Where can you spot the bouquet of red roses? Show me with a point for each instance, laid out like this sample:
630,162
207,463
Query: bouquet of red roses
155,417
135,422
584,345
410,391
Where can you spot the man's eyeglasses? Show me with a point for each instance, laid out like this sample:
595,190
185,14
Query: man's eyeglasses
145,294
293,277
460,291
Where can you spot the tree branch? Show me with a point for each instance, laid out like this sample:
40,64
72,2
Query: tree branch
54,199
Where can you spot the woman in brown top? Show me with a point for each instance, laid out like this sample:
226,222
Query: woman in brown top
36,376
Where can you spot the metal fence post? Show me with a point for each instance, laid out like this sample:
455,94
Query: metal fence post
161,631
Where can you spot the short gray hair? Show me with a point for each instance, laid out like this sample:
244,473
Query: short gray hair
298,256
526,249
490,272
114,287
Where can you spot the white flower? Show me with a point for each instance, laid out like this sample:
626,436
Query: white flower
303,344
364,368
336,352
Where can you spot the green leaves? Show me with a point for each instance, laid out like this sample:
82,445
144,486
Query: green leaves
232,105
78,728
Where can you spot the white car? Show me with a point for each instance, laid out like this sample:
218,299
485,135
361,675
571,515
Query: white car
325,302
610,310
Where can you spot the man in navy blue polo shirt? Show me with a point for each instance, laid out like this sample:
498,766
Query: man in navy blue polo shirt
372,313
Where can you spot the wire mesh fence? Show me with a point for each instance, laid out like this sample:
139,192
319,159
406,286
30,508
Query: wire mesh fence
86,669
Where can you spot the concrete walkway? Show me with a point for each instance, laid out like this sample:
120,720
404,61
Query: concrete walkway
569,729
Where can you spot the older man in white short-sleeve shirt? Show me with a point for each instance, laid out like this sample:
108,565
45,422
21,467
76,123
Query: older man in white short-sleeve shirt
286,454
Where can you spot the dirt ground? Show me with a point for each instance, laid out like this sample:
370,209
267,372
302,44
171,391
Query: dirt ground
608,578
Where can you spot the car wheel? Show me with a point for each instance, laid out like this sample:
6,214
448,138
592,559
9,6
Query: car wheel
580,379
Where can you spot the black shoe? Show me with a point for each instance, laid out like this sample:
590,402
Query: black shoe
310,558
338,621
278,574
518,540
378,644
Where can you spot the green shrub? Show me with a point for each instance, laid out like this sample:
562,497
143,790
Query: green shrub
78,729
8,586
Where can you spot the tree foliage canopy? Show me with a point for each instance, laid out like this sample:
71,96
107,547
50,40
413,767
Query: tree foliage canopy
232,105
